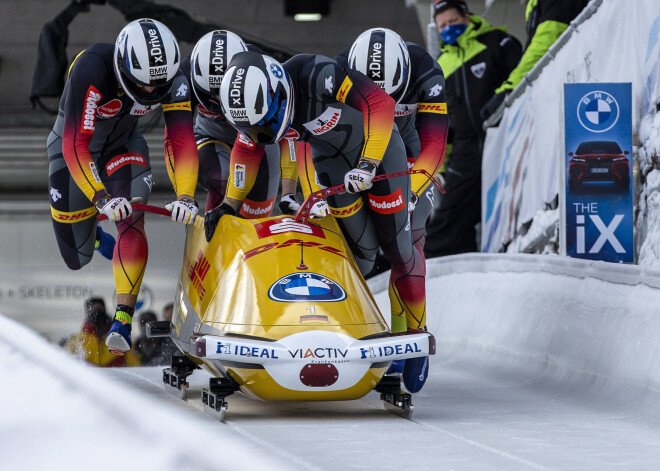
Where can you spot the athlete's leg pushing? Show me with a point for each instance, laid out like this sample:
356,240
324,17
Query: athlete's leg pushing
74,216
388,207
420,216
129,180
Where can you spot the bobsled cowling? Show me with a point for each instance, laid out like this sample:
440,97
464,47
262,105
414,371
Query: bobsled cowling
280,307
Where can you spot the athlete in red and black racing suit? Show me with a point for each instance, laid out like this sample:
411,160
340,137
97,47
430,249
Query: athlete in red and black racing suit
344,117
215,136
95,152
421,117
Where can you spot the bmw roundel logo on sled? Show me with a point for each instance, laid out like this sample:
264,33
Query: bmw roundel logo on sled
598,111
306,287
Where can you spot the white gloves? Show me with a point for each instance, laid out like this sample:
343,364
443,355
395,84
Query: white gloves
359,179
184,210
115,209
288,204
319,210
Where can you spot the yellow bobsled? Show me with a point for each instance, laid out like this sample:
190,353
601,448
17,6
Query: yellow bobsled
277,308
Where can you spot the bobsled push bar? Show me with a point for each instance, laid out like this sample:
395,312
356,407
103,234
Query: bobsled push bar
303,213
148,208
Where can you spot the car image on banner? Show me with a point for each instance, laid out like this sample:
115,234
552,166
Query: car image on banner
598,161
598,202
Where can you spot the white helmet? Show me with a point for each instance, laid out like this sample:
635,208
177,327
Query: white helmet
208,63
257,97
146,54
382,55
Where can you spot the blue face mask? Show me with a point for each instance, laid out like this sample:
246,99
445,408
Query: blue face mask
451,33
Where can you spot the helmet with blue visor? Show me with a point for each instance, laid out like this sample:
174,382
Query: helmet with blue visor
257,97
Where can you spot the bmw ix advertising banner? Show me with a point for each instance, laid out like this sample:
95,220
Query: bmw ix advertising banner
598,162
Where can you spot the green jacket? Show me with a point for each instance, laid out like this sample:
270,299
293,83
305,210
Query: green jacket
546,21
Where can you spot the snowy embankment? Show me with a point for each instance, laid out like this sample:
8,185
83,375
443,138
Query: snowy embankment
591,327
582,330
58,413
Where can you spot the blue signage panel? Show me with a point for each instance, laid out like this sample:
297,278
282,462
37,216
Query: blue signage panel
598,162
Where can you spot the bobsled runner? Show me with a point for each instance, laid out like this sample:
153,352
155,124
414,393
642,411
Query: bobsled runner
277,309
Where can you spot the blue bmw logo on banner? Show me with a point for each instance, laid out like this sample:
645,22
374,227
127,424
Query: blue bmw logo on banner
306,287
598,111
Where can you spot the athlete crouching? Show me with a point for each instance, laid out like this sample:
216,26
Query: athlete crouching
346,124
99,161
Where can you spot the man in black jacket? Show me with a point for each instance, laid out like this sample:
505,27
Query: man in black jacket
476,58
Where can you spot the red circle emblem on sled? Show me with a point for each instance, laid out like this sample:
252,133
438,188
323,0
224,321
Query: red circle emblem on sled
319,375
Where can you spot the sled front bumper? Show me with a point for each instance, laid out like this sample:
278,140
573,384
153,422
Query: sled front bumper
314,359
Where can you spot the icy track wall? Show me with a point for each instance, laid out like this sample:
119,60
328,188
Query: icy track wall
611,41
573,325
72,415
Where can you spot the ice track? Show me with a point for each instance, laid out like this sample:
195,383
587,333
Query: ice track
544,363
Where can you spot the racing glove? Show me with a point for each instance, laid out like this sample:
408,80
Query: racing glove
359,179
319,210
212,218
115,209
183,210
288,204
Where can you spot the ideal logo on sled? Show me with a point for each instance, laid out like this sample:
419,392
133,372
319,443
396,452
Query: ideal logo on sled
324,123
306,287
89,112
226,348
389,350
110,109
284,225
387,204
124,159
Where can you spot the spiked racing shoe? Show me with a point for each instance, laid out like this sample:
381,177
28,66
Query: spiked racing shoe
396,367
415,372
105,243
118,339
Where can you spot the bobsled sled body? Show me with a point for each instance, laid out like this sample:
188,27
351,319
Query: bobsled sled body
281,308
